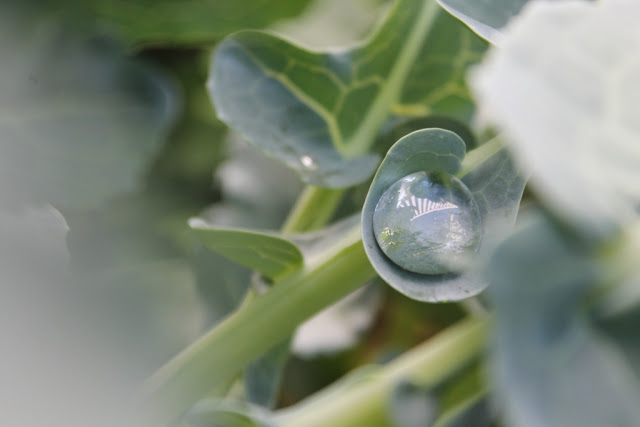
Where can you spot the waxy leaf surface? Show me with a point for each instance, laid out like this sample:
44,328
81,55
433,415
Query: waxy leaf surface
319,112
488,172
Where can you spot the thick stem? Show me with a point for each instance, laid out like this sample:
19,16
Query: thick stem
313,209
365,403
252,330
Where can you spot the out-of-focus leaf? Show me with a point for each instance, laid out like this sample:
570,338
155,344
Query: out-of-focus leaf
79,121
457,401
151,311
320,112
574,100
268,254
550,366
54,345
175,22
262,377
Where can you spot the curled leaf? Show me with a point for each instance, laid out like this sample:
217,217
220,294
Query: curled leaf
425,238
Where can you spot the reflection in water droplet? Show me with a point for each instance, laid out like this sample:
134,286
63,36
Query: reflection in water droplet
308,162
428,223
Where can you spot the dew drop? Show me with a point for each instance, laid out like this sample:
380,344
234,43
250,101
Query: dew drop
308,162
428,223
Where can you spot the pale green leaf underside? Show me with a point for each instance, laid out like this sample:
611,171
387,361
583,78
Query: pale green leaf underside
268,254
320,112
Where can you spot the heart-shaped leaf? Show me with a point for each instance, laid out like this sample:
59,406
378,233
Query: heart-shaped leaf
485,173
319,112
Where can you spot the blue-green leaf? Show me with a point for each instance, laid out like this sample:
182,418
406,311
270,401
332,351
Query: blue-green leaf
320,112
495,188
434,150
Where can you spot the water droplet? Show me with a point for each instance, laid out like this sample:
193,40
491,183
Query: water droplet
308,162
428,223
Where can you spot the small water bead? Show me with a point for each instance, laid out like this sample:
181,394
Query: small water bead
428,223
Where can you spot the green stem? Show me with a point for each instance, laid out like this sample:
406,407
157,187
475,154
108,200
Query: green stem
365,404
253,329
361,141
313,209
477,156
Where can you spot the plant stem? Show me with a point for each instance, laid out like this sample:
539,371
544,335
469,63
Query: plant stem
253,329
478,155
313,209
361,141
365,404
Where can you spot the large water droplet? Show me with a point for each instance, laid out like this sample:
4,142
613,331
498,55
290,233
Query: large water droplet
428,223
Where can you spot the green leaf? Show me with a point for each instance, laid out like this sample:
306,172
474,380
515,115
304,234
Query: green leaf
491,176
426,150
546,347
79,121
175,22
320,112
268,254
572,100
148,311
436,84
487,17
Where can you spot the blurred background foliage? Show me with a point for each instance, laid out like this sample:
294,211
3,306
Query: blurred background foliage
139,166
109,143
